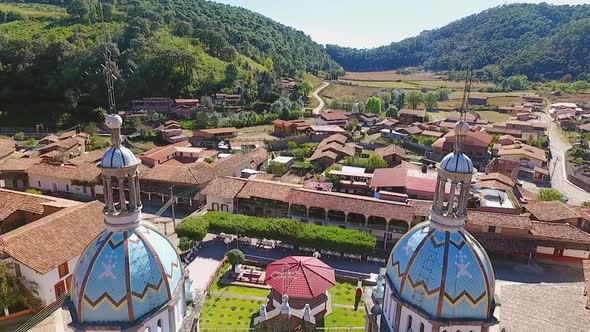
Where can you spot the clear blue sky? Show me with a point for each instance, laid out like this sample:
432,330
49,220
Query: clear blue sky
369,23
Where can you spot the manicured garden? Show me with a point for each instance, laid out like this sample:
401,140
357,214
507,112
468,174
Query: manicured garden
229,306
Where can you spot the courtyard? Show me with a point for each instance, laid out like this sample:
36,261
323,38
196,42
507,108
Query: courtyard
234,307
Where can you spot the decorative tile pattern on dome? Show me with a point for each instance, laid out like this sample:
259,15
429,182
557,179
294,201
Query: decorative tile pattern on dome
457,163
445,274
121,277
118,157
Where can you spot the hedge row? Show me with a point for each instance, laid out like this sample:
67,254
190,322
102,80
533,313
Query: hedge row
193,228
287,230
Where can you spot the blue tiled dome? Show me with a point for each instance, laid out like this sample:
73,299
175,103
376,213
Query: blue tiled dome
446,275
124,276
118,157
457,163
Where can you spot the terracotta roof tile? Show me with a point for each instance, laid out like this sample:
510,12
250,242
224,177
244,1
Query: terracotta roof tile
551,211
57,238
84,172
272,190
560,231
523,149
389,177
483,218
421,208
11,202
405,111
331,116
352,203
6,147
224,187
389,150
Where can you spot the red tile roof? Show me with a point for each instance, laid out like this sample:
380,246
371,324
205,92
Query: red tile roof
57,238
332,116
272,190
390,150
312,276
559,231
11,202
551,211
389,177
352,203
224,187
405,111
504,220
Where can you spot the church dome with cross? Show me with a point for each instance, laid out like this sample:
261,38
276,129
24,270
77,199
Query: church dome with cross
439,278
130,276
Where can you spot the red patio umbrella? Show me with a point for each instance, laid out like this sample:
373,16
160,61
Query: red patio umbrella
300,276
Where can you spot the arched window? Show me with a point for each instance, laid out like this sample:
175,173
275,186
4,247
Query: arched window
409,327
421,327
160,325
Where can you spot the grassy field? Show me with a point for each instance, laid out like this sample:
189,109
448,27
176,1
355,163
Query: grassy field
345,317
34,10
416,85
389,75
338,91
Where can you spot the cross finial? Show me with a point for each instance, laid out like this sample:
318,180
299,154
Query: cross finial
286,275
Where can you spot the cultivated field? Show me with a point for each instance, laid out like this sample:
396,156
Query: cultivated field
34,10
390,75
408,84
359,93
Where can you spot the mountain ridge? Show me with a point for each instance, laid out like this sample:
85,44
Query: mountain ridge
486,38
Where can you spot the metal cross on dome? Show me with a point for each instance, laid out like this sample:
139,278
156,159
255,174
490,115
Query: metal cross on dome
286,275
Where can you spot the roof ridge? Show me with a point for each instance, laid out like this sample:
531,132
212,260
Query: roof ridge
45,220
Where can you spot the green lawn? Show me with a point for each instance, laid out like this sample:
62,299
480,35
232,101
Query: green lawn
491,116
343,292
223,312
236,290
345,317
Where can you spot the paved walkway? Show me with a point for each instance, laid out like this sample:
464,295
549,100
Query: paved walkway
316,95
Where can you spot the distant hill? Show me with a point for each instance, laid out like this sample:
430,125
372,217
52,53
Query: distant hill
539,40
51,52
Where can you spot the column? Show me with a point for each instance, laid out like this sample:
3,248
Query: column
326,214
436,191
307,212
289,210
122,201
387,225
136,181
463,199
108,194
366,222
346,218
441,189
451,198
132,194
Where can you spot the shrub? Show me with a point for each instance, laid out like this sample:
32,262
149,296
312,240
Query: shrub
549,195
193,228
586,204
34,191
235,257
292,231
184,243
19,136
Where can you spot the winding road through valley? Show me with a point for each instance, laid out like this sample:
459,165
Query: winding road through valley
317,96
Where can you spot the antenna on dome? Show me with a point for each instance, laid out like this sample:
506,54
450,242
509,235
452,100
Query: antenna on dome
109,67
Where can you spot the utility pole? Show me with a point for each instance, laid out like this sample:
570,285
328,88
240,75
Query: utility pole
172,205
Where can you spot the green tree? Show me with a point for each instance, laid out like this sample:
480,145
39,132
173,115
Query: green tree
373,105
268,64
586,204
549,194
414,99
443,94
292,145
375,161
580,86
399,99
334,179
431,100
80,8
391,111
235,257
276,168
12,290
231,72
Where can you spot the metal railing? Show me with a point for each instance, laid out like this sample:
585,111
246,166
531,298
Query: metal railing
43,313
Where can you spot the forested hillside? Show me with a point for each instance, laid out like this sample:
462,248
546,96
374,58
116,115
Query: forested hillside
51,55
539,40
